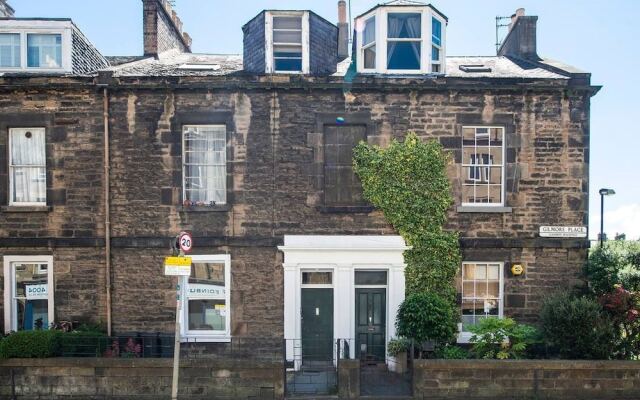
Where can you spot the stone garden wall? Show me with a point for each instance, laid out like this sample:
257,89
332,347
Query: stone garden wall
108,378
526,379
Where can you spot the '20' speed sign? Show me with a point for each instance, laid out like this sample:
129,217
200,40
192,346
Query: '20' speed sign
185,241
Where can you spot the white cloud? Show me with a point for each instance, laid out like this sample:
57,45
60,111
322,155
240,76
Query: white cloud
624,219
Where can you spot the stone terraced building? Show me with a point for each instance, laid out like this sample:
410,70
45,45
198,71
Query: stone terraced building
104,160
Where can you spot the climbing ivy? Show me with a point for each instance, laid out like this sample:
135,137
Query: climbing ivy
408,182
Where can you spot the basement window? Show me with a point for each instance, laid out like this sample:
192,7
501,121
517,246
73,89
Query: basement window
287,42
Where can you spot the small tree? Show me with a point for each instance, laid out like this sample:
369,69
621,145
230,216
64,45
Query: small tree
427,316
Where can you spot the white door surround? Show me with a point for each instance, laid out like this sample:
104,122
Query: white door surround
342,255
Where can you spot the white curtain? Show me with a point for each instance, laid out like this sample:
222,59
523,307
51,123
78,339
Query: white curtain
28,165
205,164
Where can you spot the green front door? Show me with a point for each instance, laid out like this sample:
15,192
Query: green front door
317,324
371,305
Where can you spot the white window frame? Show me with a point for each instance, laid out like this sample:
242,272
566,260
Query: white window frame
11,166
184,160
188,335
465,337
381,14
441,61
374,43
467,164
27,27
269,59
10,306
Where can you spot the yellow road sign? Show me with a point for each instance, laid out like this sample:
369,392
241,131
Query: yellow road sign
180,266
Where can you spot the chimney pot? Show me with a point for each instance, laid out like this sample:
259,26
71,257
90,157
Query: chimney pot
520,12
342,12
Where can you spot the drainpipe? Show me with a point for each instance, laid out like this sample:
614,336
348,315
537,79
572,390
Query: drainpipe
107,216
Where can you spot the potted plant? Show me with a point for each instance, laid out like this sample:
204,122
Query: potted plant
397,348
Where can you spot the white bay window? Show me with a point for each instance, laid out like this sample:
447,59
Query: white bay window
27,167
401,39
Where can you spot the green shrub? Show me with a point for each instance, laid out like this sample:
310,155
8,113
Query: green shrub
427,316
576,327
452,352
397,346
602,269
31,344
501,338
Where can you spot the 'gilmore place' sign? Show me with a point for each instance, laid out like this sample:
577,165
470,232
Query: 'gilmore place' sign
563,231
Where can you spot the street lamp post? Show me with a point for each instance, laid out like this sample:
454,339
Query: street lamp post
603,192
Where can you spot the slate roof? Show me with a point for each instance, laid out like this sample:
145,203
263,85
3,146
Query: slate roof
174,63
85,58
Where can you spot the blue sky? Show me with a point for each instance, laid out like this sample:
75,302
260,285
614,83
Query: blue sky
596,36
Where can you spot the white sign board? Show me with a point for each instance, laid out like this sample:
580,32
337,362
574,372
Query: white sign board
37,292
563,231
177,266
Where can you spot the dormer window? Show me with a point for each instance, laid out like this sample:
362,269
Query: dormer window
401,38
35,46
287,44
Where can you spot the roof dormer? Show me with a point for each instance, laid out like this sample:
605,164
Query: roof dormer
401,37
46,46
290,42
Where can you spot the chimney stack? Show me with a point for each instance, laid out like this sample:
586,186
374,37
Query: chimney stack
5,9
162,29
521,40
343,31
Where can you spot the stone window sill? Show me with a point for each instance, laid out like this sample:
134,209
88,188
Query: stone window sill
191,338
345,209
25,209
216,208
483,209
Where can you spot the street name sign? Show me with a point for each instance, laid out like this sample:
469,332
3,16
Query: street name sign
563,231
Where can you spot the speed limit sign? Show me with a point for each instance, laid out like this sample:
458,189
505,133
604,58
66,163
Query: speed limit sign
185,241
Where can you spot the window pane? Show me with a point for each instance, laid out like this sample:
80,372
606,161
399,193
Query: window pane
316,278
403,55
31,294
493,272
436,31
435,53
370,57
207,315
44,51
435,67
481,271
287,37
404,25
371,277
9,50
284,64
287,23
28,185
369,34
27,147
207,273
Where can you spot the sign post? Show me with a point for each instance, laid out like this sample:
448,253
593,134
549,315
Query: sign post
179,266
